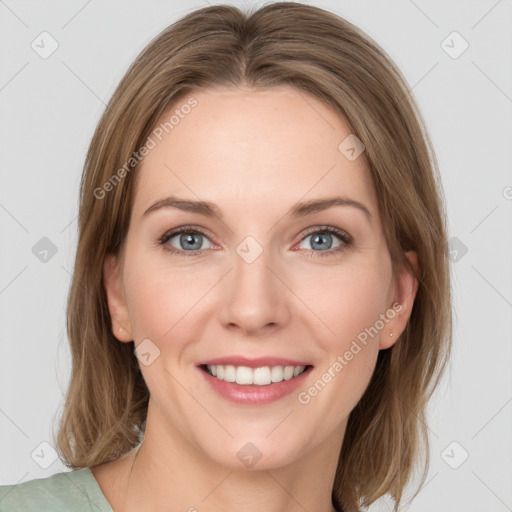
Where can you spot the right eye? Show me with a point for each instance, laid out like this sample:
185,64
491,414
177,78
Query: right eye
189,241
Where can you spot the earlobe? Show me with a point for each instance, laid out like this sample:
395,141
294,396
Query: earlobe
406,287
112,280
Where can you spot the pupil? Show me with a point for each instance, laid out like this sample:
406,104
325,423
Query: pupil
317,239
190,241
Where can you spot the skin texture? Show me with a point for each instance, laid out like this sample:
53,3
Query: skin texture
255,153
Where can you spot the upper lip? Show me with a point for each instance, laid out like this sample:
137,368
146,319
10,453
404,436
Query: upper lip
257,362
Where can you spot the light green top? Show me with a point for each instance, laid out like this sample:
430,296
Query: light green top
71,491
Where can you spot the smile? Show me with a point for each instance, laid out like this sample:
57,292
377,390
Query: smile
261,376
257,385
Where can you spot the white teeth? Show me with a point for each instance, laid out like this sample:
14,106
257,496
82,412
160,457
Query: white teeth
288,373
229,373
262,376
277,373
259,376
297,371
244,375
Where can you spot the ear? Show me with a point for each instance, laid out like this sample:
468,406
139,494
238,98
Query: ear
120,318
406,286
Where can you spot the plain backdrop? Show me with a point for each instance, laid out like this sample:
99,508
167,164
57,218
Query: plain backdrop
457,59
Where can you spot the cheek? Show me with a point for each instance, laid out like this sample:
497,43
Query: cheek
156,305
164,298
350,306
347,300
165,304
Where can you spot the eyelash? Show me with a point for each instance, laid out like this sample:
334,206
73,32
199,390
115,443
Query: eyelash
342,235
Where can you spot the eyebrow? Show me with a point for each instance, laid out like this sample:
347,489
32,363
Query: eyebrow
300,209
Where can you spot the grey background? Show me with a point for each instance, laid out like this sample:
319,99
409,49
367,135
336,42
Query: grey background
50,108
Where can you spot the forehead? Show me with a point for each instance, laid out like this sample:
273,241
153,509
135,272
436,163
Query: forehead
256,148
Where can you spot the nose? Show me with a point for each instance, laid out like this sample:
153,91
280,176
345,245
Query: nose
254,298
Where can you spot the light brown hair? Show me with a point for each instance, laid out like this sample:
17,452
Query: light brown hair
324,55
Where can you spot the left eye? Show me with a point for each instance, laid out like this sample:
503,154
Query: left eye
320,240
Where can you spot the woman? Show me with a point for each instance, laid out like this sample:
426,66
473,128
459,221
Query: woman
260,307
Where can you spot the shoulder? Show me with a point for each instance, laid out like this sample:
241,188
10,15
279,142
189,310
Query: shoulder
75,491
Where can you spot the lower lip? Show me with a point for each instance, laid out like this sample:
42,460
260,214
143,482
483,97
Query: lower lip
253,394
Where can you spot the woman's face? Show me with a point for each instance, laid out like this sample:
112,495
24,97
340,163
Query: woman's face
259,280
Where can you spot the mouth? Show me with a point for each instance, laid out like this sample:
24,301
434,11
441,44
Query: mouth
254,381
259,376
